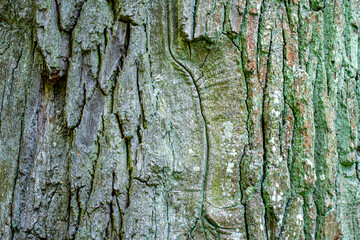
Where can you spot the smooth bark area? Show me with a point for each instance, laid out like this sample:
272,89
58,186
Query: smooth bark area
179,119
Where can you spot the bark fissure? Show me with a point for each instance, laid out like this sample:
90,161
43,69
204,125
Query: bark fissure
130,171
194,11
289,168
246,146
68,167
78,220
17,167
263,126
258,36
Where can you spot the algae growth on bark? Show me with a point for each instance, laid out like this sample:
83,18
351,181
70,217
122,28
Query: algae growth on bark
179,119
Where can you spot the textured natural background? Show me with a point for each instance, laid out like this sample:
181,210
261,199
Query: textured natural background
179,119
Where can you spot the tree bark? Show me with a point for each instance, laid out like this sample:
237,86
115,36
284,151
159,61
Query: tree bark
179,119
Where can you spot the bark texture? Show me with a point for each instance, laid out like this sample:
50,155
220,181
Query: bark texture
179,119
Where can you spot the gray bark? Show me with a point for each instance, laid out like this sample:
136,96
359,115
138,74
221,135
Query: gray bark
179,119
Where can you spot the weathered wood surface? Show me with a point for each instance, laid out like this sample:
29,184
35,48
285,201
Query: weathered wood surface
179,119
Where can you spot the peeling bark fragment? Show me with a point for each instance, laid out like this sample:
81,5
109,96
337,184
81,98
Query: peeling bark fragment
236,11
76,92
133,11
54,44
94,18
209,19
127,104
111,60
84,62
69,11
186,17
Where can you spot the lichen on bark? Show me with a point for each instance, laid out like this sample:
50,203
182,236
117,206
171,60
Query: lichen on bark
179,119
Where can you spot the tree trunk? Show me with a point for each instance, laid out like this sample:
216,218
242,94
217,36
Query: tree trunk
179,119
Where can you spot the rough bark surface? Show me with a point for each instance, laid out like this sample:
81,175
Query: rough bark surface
179,119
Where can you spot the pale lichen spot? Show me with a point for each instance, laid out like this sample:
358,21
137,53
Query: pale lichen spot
196,169
233,152
277,95
310,162
237,235
230,167
275,113
273,149
228,130
299,217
